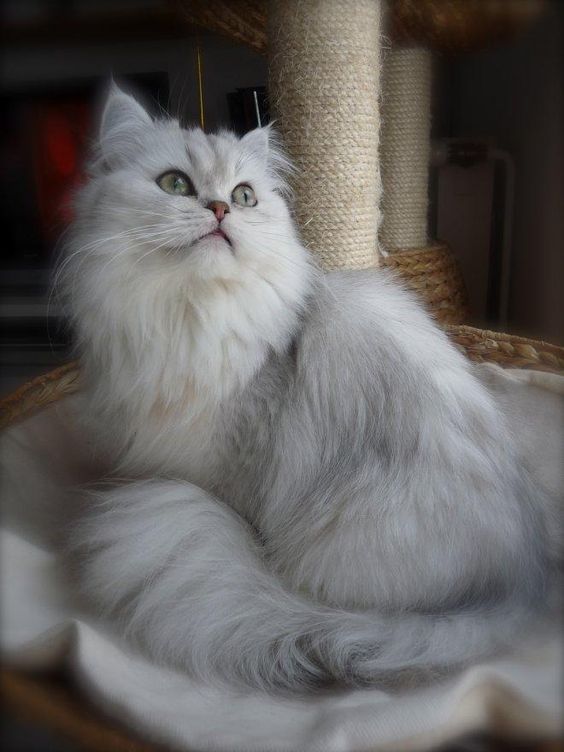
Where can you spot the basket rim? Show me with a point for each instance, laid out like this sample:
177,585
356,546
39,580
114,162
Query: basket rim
38,392
491,334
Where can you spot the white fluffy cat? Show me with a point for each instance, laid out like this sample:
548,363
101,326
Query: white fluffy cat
321,489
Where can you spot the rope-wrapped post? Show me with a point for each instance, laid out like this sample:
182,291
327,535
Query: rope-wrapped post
405,152
324,66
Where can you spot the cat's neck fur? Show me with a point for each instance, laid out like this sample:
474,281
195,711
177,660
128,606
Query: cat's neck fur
185,340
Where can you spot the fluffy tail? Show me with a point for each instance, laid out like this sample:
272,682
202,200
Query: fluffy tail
185,575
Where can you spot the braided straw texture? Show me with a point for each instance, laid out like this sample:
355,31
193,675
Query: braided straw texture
447,25
324,85
483,346
38,393
405,150
434,275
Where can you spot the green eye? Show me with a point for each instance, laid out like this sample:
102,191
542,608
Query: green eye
244,195
176,183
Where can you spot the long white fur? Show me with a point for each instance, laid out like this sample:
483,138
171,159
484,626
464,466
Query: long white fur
344,501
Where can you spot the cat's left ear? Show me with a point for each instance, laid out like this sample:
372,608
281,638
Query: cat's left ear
124,122
257,143
263,146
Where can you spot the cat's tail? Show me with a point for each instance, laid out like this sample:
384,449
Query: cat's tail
186,576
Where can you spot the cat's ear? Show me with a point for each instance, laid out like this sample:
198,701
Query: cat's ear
257,143
263,145
124,121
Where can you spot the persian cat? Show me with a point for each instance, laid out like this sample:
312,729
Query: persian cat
320,489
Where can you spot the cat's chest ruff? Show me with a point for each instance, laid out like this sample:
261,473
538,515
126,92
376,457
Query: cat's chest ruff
182,436
222,343
206,352
191,434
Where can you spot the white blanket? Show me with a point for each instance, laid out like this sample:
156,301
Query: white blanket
518,695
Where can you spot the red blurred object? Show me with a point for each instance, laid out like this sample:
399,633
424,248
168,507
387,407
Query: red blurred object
60,132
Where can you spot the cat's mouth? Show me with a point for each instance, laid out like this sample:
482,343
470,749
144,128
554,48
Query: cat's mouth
217,233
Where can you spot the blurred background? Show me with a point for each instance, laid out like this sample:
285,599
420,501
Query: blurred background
57,60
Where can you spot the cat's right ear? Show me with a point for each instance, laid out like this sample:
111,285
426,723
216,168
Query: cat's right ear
124,122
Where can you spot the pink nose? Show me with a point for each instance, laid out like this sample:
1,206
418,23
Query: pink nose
219,208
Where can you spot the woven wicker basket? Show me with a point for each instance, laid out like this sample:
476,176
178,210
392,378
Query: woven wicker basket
57,707
433,273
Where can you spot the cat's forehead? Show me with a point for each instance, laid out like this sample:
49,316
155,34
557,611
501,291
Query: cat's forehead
220,154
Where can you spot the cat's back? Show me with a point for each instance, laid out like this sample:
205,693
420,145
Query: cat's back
367,321
372,362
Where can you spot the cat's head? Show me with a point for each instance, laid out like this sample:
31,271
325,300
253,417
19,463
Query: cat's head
165,200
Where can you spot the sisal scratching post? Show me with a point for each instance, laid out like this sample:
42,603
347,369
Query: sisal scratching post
324,84
405,150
